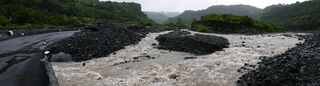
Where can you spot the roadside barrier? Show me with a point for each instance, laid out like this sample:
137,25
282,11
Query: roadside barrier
44,42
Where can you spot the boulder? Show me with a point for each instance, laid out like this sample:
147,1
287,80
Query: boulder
60,57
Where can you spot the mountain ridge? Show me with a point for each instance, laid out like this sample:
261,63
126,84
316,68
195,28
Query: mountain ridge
299,16
61,12
189,15
160,16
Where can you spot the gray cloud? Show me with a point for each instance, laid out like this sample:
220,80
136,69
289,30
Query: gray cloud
182,5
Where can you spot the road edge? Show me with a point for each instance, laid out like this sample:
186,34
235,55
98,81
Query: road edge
48,66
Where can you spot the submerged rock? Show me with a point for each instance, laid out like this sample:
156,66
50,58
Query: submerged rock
60,57
190,58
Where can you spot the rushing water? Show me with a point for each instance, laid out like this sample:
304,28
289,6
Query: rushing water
169,67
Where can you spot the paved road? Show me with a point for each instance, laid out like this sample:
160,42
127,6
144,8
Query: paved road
20,60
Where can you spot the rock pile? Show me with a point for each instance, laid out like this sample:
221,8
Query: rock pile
197,44
101,39
298,66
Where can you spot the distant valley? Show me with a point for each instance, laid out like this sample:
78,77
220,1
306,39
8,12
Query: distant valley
161,17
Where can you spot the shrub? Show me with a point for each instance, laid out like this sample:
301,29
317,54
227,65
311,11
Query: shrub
201,28
174,25
71,21
145,23
27,25
3,21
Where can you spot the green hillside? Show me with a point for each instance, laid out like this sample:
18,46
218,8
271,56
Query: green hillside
302,16
66,12
228,23
157,17
241,10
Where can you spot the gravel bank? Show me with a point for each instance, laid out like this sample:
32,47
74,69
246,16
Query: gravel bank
198,44
101,39
298,66
171,68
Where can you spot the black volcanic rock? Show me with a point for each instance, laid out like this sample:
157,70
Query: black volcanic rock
299,66
190,58
197,44
105,39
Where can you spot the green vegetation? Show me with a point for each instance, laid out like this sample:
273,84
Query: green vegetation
157,17
228,23
170,24
301,16
177,24
152,23
146,23
201,28
188,16
66,12
3,21
173,25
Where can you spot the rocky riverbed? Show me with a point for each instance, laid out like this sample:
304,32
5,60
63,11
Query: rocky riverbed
298,66
101,39
140,62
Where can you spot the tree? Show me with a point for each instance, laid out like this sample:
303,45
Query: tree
179,21
228,23
302,16
66,12
194,19
3,21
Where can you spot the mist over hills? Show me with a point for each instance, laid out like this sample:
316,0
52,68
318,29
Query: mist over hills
160,16
299,16
240,10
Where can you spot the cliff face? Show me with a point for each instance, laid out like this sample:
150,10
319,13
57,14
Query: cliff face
54,12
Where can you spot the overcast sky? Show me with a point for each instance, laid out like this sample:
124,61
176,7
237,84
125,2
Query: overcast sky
182,5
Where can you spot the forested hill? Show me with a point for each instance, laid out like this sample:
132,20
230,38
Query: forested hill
241,10
157,17
66,12
302,16
160,17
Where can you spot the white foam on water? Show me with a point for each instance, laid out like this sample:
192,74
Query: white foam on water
169,68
